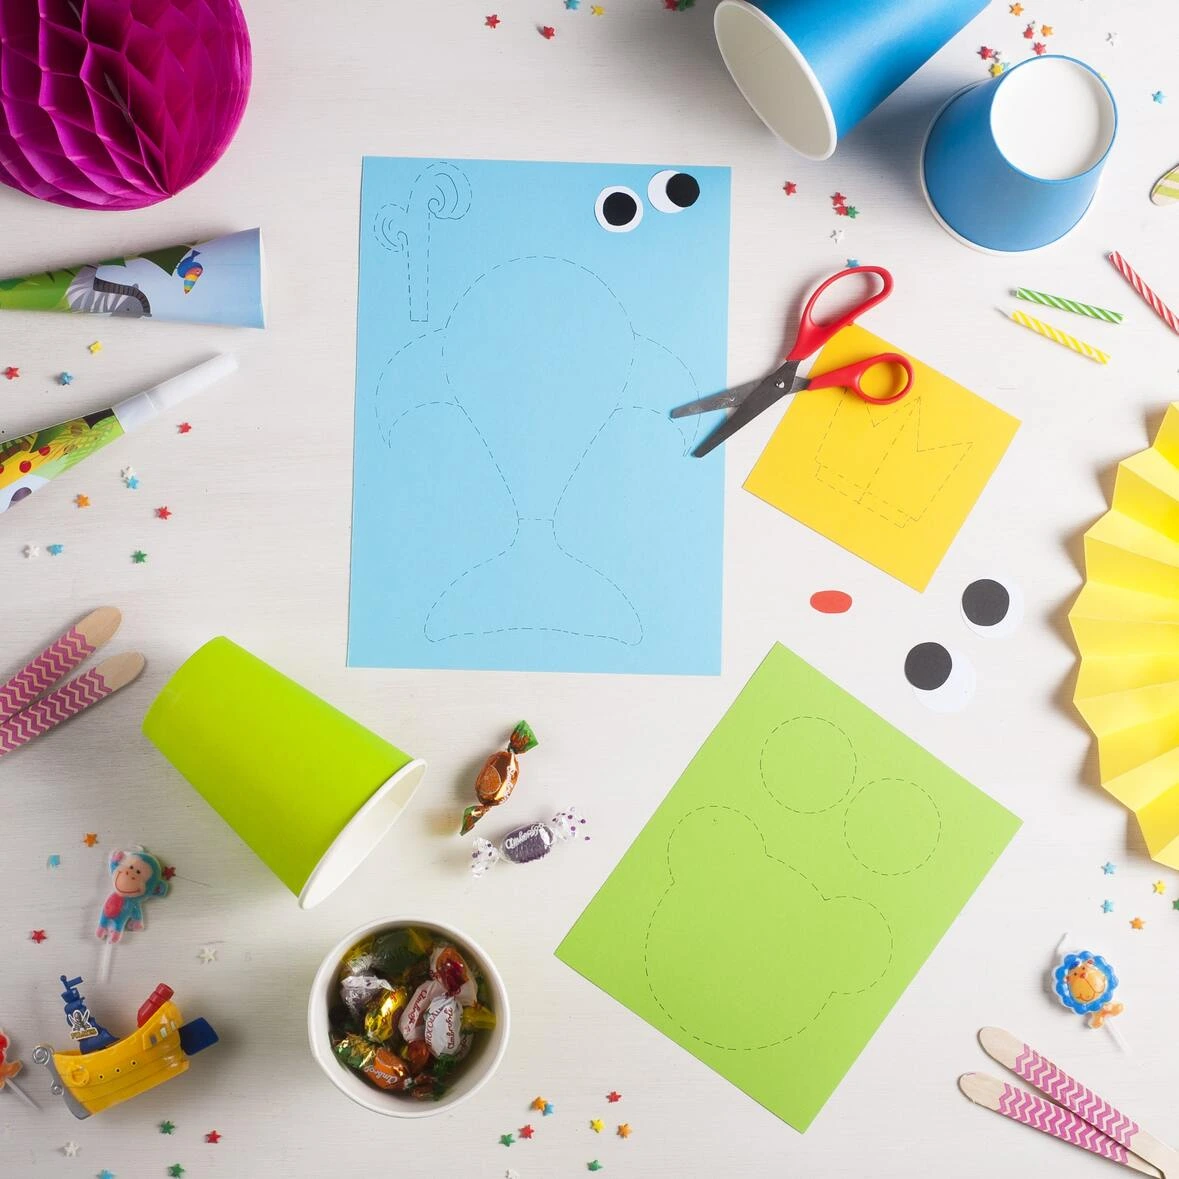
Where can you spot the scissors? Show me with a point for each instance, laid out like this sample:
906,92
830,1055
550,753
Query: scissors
782,382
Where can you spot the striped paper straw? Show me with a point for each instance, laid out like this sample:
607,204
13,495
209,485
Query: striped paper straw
1145,293
1062,304
1049,332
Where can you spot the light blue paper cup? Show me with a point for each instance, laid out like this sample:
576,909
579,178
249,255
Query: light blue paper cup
1012,164
812,69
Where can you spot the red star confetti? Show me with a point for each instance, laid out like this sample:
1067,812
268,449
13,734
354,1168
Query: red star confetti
12,372
841,210
986,52
613,1096
168,873
90,839
837,199
1137,923
37,935
183,428
548,32
526,1131
789,188
1039,48
671,5
1030,32
492,21
163,513
1046,30
212,1135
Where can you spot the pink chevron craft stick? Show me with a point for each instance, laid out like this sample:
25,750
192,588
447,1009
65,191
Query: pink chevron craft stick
57,660
78,694
1144,292
1021,1106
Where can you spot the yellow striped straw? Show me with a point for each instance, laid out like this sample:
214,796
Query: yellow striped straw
1049,332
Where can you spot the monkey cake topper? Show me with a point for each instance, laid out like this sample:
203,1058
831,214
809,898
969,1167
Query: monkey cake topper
136,877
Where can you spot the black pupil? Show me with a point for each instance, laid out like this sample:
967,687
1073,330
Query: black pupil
683,190
986,602
928,666
619,208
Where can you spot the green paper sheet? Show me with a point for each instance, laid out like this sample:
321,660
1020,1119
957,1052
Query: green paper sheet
788,888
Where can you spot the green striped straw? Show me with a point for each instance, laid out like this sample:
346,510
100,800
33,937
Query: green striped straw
1068,305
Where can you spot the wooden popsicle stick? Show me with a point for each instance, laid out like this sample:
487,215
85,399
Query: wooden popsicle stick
58,659
1049,1118
78,694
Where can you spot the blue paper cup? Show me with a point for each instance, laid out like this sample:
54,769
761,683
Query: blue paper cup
812,70
1012,164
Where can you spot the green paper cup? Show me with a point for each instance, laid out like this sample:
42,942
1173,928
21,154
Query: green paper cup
308,788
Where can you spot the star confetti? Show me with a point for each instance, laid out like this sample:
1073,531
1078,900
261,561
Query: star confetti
207,954
133,483
996,69
83,501
547,1108
70,1150
526,1131
1111,38
507,1139
105,1174
1030,32
90,839
593,1165
126,473
1108,868
852,263
841,210
54,861
853,212
166,1127
38,936
65,378
55,550
1039,48
1159,886
139,557
32,550
1046,30
1107,906
1016,9
491,22
163,513
573,5
1175,904
836,236
184,427
95,347
837,199
624,1130
597,10
789,188
986,52
538,1103
1137,923
1158,96
175,1170
212,1135
12,372
613,1096
168,873
596,1125
548,32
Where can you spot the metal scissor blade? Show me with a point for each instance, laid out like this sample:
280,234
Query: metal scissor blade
725,400
777,385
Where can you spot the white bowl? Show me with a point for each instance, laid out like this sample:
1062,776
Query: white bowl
477,1069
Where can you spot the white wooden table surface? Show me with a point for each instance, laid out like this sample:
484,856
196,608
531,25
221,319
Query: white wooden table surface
258,550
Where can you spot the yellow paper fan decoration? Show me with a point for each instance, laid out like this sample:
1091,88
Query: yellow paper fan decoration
1126,625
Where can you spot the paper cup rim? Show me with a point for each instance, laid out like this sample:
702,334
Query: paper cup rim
351,1085
976,245
800,61
355,842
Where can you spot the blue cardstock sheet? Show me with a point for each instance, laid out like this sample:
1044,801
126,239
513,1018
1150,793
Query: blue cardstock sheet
522,501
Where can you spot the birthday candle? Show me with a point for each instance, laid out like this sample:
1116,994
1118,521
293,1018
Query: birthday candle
1145,293
1063,304
1049,332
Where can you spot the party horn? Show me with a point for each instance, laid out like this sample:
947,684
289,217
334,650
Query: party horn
31,461
811,70
309,789
215,282
1012,163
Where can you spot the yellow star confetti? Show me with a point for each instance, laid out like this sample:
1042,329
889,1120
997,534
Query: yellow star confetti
596,1125
624,1130
996,69
1159,887
1046,30
96,346
538,1103
1016,9
597,10
1137,923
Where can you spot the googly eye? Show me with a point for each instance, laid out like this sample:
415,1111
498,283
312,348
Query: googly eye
618,209
992,607
672,191
941,678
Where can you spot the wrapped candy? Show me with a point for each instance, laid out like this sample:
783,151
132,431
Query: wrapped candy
1085,983
531,842
380,1017
497,779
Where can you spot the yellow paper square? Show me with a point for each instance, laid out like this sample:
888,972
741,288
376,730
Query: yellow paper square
891,483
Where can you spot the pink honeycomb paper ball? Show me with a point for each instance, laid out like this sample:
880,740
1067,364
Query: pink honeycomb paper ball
118,104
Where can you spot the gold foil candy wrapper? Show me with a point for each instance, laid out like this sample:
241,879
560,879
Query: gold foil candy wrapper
501,771
355,1051
477,1018
380,1018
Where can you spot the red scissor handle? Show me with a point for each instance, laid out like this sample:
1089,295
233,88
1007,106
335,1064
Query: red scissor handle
812,336
849,376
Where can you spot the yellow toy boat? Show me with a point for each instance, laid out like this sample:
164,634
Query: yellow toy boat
105,1071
